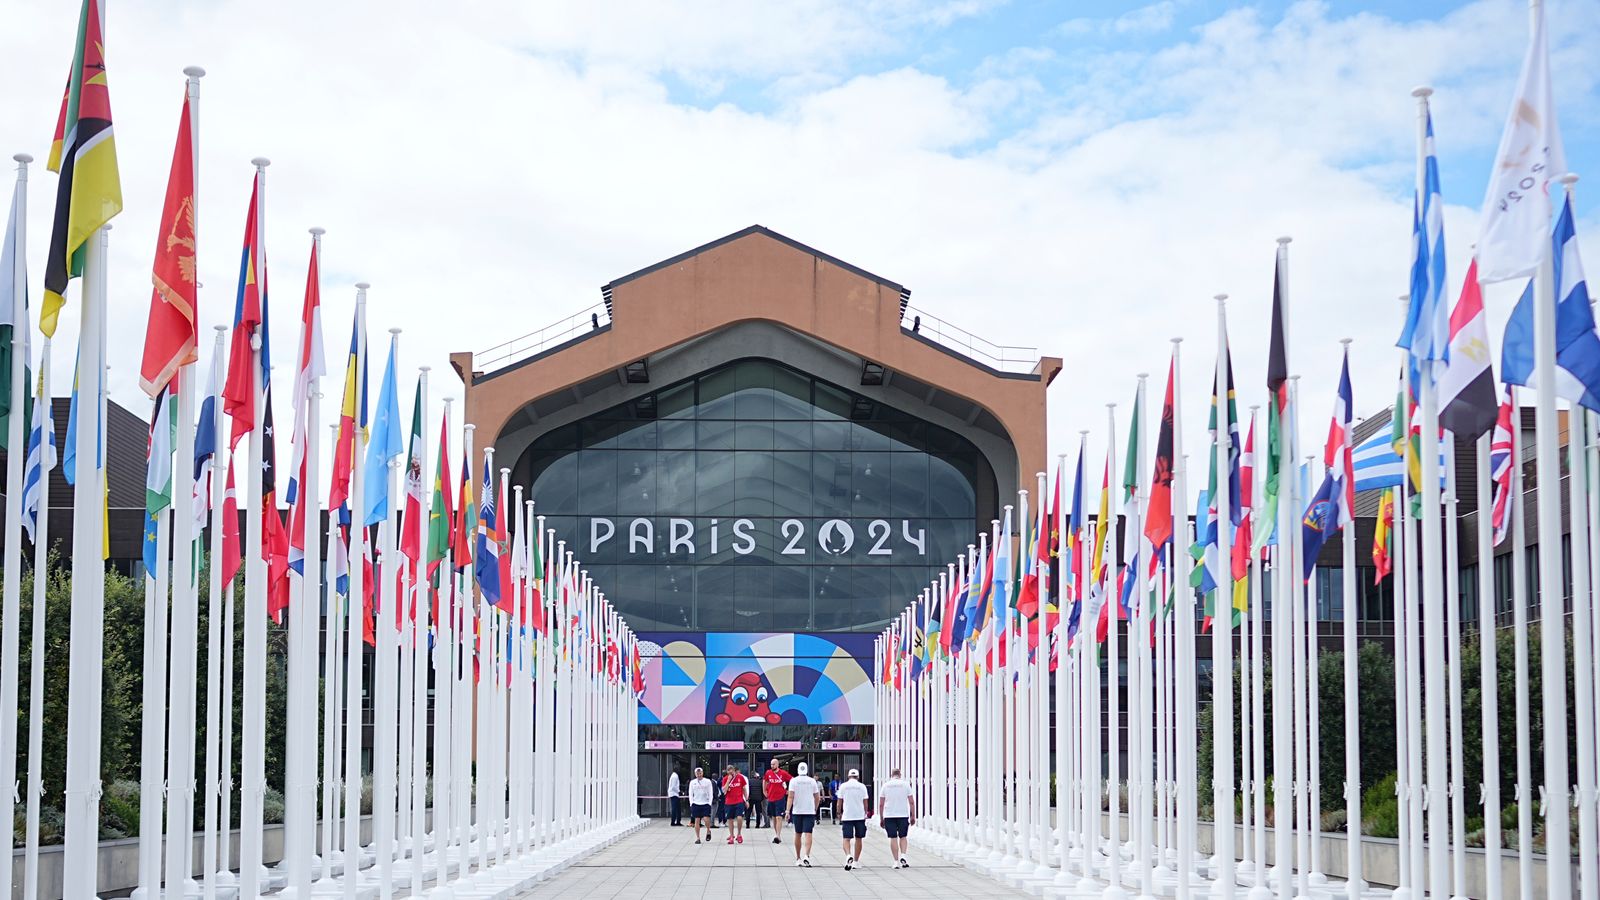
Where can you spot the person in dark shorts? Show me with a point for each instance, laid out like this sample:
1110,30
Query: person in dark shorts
897,811
854,811
775,787
803,798
734,789
701,791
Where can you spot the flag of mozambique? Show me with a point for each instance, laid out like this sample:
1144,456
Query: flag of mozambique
83,152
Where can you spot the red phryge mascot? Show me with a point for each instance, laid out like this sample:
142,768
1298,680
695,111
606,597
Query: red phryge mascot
747,699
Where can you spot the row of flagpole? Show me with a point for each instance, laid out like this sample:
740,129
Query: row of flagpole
492,626
955,675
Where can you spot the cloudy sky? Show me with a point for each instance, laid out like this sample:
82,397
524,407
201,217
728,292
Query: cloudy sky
1081,176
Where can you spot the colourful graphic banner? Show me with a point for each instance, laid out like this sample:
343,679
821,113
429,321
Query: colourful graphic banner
723,678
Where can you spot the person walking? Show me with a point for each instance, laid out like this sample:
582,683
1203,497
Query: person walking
735,788
775,783
700,795
853,815
897,812
833,795
803,795
675,799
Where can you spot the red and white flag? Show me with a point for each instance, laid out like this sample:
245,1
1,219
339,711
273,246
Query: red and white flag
1466,387
309,367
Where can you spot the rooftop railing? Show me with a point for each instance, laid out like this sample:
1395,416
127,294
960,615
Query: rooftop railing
576,325
1000,357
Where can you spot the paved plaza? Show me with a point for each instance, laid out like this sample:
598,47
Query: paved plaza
662,861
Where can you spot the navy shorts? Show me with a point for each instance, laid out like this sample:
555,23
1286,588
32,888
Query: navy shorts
854,828
803,823
699,810
896,828
776,808
735,810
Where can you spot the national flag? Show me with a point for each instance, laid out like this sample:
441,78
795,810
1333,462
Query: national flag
205,450
441,513
954,633
384,446
1376,465
487,568
1577,344
411,520
339,554
1075,550
308,369
158,477
504,511
1031,566
1277,408
466,518
1158,512
41,460
171,337
1001,580
1466,387
352,416
249,316
274,538
1516,207
69,448
638,671
232,553
1503,458
1244,537
1426,333
1096,576
14,321
1337,455
89,192
1382,562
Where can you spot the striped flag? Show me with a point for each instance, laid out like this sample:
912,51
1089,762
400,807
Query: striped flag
308,368
84,153
488,559
1502,459
41,460
158,477
1577,344
1466,387
232,549
14,317
249,315
1426,333
1382,562
411,522
384,446
352,416
205,449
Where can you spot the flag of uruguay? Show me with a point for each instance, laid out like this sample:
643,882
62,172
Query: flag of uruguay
1577,345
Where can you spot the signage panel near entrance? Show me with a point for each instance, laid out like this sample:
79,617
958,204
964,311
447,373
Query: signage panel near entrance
663,745
724,745
780,745
841,745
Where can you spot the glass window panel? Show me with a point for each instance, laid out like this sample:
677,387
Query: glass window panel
715,435
831,491
602,432
754,399
791,598
831,436
753,435
791,435
597,481
872,474
555,484
950,490
636,482
633,591
675,482
908,484
715,479
832,601
675,434
791,394
831,403
563,438
716,393
638,436
864,437
714,598
752,490
753,598
791,484
676,402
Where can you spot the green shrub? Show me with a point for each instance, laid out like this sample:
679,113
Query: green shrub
1380,809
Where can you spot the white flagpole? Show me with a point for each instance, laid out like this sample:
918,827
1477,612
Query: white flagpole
1222,625
443,708
80,855
16,458
1300,626
153,747
224,873
1519,629
332,704
1144,703
1412,768
1282,630
41,562
1489,684
1452,549
419,649
1354,884
386,679
253,768
1065,728
1041,693
355,620
1583,695
1112,606
1258,715
1185,669
214,766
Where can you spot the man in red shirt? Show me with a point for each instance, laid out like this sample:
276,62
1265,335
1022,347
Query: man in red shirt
734,787
775,782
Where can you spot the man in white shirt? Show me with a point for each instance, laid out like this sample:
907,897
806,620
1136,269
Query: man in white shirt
853,814
700,793
803,793
675,798
897,811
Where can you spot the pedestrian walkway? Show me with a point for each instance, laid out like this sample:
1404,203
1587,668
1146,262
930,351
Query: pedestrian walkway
662,861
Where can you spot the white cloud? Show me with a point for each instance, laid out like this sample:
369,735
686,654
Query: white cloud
487,170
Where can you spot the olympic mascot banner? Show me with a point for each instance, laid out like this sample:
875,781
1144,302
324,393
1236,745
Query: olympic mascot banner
722,678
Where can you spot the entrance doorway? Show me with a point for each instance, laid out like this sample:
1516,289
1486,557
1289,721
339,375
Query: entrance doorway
655,766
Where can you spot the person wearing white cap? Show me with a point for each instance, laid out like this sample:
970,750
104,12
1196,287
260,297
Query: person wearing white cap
853,814
803,793
700,793
897,811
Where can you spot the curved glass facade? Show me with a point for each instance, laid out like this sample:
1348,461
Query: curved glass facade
757,498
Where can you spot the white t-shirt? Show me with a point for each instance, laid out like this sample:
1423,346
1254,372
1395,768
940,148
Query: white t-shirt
852,801
805,789
672,785
700,792
895,795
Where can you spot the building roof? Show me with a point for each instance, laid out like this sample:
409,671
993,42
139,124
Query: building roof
745,232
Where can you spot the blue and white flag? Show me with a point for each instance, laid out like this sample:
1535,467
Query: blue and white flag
205,451
1427,329
1377,466
385,444
41,459
1577,345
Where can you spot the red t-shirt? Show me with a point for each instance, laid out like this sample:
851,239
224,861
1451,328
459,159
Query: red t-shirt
733,789
777,783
